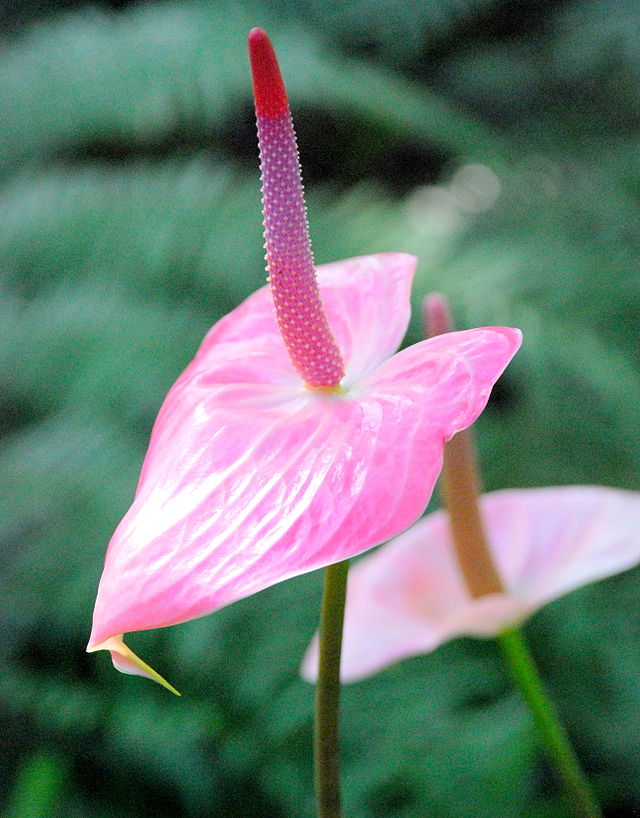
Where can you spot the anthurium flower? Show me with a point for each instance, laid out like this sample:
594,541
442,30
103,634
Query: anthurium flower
295,438
410,595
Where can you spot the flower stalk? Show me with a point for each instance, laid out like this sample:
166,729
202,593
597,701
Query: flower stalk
552,733
326,737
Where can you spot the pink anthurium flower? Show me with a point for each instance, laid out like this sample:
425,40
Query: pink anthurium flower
410,596
295,438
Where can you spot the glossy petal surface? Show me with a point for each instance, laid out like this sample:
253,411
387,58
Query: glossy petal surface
409,596
252,478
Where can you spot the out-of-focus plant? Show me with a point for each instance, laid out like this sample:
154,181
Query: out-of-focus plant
481,568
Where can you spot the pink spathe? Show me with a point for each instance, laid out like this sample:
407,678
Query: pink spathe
251,477
409,596
293,440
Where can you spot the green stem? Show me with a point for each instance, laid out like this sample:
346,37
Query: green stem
326,740
554,737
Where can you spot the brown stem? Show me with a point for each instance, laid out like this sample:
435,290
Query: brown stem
460,491
460,483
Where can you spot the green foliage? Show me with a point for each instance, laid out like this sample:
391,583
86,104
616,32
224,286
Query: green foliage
36,790
497,141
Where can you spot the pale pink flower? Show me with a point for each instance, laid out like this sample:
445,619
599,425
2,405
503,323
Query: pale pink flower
409,596
295,438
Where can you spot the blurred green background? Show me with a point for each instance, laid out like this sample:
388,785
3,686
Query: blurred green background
496,139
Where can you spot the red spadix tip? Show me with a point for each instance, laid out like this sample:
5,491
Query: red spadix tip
268,89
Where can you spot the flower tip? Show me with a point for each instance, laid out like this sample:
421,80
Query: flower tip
509,343
513,335
269,92
436,316
126,661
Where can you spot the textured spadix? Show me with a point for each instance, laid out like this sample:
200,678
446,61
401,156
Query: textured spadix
409,596
300,315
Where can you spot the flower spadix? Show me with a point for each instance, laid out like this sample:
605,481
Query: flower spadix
410,596
295,438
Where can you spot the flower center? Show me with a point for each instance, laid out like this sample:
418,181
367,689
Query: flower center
299,312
